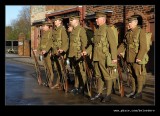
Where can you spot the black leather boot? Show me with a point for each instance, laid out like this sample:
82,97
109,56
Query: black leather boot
113,91
137,96
144,86
45,84
107,98
81,90
74,91
130,95
98,96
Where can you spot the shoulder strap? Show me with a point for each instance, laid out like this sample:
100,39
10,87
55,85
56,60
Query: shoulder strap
48,34
138,34
136,41
48,37
149,41
115,32
60,34
79,31
78,38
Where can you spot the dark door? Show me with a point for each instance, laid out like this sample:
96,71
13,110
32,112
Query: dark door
151,64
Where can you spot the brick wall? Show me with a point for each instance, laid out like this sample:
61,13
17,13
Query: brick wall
142,10
58,7
117,14
120,12
37,12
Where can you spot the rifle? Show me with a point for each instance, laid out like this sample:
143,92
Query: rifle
47,71
125,70
37,67
64,73
89,79
121,87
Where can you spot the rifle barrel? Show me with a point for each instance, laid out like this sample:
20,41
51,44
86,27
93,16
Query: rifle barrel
39,79
121,80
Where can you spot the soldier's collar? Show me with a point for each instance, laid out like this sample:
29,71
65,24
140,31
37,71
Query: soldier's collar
47,31
134,29
56,28
76,27
102,26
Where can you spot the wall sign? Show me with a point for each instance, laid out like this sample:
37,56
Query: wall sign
20,43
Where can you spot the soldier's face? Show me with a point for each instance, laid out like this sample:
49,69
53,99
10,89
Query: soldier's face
73,22
132,24
57,23
45,27
70,28
100,20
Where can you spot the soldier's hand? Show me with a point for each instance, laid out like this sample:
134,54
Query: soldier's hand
43,51
35,50
84,53
137,60
50,54
114,61
60,50
121,54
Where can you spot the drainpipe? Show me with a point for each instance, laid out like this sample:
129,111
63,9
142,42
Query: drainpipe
81,14
124,18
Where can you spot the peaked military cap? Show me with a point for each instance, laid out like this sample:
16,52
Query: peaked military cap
47,23
74,17
131,18
57,18
100,14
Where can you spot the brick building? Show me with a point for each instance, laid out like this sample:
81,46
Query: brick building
116,15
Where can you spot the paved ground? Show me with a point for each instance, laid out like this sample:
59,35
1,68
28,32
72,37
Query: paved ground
25,59
40,95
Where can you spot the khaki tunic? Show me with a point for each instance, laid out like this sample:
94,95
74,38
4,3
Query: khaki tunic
46,44
98,53
131,55
73,50
46,41
60,39
135,69
99,57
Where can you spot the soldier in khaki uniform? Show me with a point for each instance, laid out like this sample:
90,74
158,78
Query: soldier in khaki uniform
136,48
104,46
46,50
69,30
59,45
78,42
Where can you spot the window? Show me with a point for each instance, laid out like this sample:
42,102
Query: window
8,43
94,6
15,43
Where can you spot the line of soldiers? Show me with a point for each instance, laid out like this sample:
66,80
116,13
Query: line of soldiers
103,52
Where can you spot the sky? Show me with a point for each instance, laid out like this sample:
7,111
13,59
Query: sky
12,12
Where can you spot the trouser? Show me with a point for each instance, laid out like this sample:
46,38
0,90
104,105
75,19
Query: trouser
58,67
144,72
115,84
79,73
137,77
48,64
103,75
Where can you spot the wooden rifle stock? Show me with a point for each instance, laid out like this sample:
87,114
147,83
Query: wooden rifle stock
64,73
121,88
89,79
47,71
37,67
125,70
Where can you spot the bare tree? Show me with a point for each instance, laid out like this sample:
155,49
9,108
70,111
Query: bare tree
24,21
7,32
20,25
